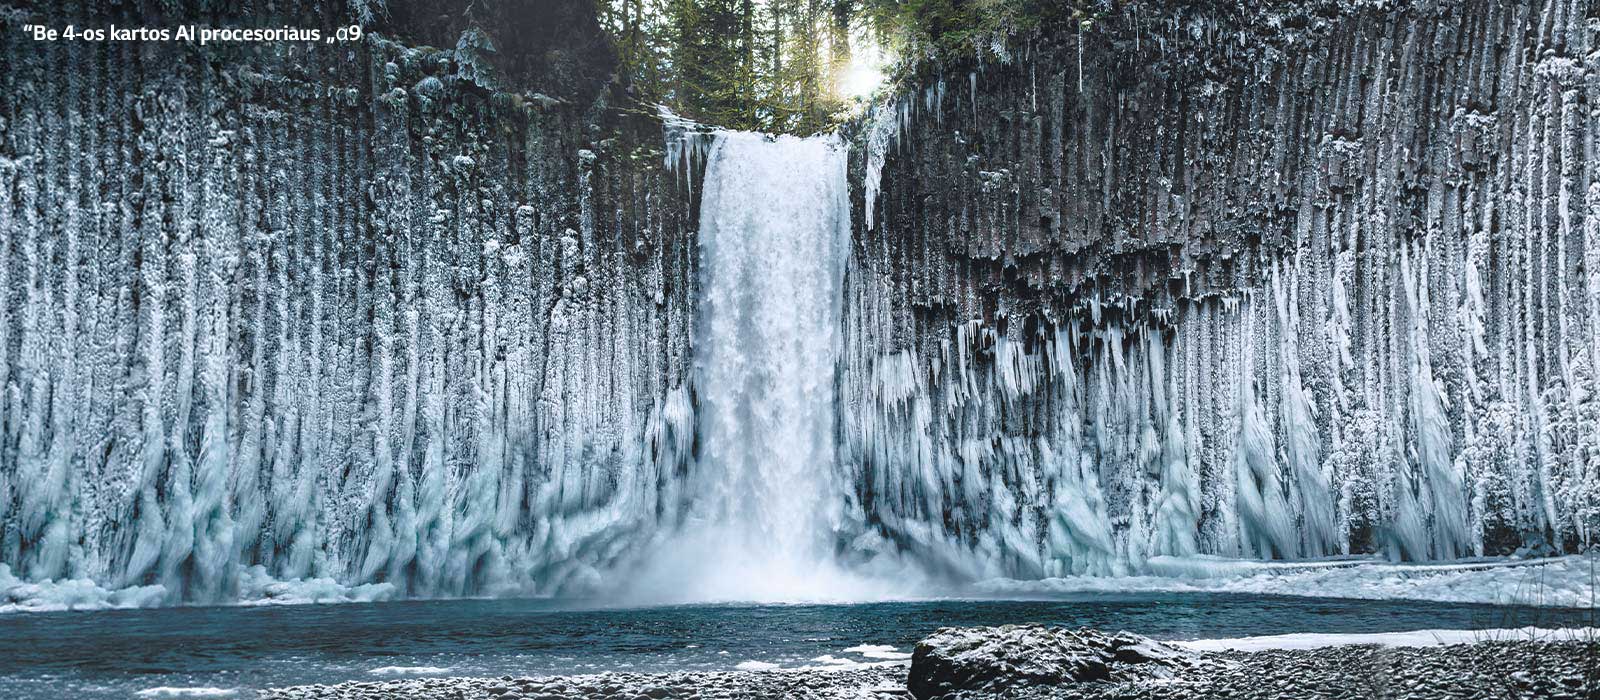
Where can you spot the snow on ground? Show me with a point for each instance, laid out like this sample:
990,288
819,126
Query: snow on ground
1418,638
1571,581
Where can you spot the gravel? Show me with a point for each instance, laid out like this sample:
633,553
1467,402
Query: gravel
1491,669
884,681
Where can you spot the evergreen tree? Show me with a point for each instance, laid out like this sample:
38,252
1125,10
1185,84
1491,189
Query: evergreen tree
771,65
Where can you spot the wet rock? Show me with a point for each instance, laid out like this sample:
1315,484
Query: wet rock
996,658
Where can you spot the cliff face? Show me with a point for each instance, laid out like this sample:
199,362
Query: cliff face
1293,280
1300,279
334,310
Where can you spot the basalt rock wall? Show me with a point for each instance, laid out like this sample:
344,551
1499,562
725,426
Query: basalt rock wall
366,312
1266,280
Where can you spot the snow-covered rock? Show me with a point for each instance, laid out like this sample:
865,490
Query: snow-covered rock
1011,656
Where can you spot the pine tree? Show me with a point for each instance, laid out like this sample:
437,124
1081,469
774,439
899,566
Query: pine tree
771,65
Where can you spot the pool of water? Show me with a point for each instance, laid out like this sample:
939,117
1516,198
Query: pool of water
118,653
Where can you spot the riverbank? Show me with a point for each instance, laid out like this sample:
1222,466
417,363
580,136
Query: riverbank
1482,669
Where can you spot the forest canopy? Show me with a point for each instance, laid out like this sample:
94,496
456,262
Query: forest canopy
790,66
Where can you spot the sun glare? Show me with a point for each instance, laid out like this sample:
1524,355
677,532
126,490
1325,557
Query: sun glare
866,70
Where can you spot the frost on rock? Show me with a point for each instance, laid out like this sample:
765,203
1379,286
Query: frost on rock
994,660
263,340
687,143
1235,300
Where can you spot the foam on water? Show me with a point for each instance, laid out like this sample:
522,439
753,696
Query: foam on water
409,670
878,651
196,692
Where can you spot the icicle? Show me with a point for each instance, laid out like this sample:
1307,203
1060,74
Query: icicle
884,130
972,79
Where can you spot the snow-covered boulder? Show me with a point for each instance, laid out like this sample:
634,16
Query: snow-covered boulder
995,658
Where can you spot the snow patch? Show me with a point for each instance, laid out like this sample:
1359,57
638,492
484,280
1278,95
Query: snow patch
1560,582
1417,638
256,587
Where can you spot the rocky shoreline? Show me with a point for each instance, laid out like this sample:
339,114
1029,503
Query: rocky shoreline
1018,663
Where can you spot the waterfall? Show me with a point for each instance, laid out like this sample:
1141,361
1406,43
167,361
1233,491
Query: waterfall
774,236
774,228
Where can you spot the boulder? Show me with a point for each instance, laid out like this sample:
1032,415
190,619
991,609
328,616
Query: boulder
995,658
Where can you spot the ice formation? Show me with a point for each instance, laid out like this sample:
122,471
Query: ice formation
264,339
1267,307
1564,582
1105,445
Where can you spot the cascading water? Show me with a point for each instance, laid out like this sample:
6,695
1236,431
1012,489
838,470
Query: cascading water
774,234
775,222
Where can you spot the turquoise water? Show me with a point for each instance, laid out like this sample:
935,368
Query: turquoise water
117,653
